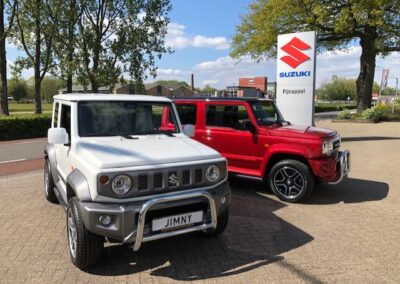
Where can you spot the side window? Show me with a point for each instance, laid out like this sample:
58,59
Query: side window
55,120
232,116
65,121
187,113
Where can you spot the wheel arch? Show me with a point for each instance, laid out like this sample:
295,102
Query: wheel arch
78,186
277,157
50,156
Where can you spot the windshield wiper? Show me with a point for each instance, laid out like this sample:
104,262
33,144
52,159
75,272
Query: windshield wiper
127,136
165,132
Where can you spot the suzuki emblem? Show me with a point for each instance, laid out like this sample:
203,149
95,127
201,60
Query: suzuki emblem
173,179
295,57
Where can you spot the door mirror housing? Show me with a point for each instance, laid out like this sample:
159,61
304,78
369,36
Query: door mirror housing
188,130
57,136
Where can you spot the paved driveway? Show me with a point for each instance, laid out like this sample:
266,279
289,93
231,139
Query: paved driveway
343,233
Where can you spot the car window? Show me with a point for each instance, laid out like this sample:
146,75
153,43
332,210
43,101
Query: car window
114,118
65,121
55,120
187,113
232,116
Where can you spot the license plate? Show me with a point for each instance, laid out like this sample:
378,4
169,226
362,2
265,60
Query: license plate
175,221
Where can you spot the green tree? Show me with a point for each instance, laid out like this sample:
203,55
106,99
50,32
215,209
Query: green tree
337,89
120,36
50,87
65,42
9,7
208,89
374,24
17,88
34,33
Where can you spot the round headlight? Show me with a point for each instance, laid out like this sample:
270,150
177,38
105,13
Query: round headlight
213,173
121,184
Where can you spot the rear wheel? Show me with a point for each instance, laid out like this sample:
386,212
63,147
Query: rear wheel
85,247
49,183
291,180
222,223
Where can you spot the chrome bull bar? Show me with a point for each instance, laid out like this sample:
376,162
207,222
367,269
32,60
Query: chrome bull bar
344,165
139,238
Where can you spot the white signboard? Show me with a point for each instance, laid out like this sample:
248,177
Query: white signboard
296,77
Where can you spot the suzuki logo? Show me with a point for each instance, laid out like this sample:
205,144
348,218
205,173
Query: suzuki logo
295,57
173,179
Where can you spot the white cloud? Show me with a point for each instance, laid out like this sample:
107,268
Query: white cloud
225,71
177,38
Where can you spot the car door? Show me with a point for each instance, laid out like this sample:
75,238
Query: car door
63,150
227,131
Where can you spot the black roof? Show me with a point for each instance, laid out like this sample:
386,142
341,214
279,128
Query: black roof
247,99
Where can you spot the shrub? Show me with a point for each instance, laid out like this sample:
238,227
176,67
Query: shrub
376,113
344,114
24,126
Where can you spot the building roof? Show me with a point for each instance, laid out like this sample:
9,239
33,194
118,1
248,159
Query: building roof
109,97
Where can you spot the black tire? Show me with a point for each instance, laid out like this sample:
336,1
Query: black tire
85,248
291,180
222,223
49,184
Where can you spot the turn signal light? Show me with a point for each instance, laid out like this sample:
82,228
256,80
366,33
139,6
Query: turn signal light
104,179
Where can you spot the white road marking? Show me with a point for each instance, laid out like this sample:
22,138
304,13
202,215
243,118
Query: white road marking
28,142
12,161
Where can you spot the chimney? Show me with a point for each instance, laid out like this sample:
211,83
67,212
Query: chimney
192,82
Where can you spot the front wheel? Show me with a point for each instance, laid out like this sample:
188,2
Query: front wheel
291,180
222,223
85,247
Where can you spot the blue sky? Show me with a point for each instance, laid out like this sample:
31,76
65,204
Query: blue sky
200,33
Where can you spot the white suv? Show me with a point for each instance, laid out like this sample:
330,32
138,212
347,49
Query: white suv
125,171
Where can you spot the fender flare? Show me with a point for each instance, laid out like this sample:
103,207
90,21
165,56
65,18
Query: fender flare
77,182
50,155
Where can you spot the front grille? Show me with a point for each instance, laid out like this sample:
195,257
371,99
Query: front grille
198,176
186,177
158,181
161,180
142,182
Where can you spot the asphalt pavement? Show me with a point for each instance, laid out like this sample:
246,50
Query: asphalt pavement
20,150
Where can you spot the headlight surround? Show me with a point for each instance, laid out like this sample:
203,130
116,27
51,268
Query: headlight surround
328,146
213,173
121,184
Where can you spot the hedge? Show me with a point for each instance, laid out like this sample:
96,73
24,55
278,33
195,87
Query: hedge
24,126
324,108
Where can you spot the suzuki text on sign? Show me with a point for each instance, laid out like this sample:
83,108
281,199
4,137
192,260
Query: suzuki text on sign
296,77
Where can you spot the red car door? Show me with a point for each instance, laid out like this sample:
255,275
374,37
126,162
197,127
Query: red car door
226,130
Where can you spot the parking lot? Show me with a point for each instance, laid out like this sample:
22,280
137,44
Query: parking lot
343,233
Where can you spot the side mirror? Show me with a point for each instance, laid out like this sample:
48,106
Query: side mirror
250,126
188,130
57,136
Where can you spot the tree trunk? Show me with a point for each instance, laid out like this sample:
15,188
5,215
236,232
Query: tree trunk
69,84
38,99
3,64
365,79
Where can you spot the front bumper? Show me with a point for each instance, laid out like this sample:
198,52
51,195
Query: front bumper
342,167
131,222
332,169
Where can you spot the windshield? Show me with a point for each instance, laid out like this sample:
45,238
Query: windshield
125,118
266,112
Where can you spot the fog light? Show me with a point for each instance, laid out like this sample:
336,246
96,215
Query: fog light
223,200
105,220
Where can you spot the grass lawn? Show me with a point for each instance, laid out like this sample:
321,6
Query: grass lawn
27,107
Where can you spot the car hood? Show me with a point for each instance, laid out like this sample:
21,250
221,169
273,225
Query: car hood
105,153
300,131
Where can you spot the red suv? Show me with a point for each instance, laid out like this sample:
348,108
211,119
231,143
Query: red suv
259,143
